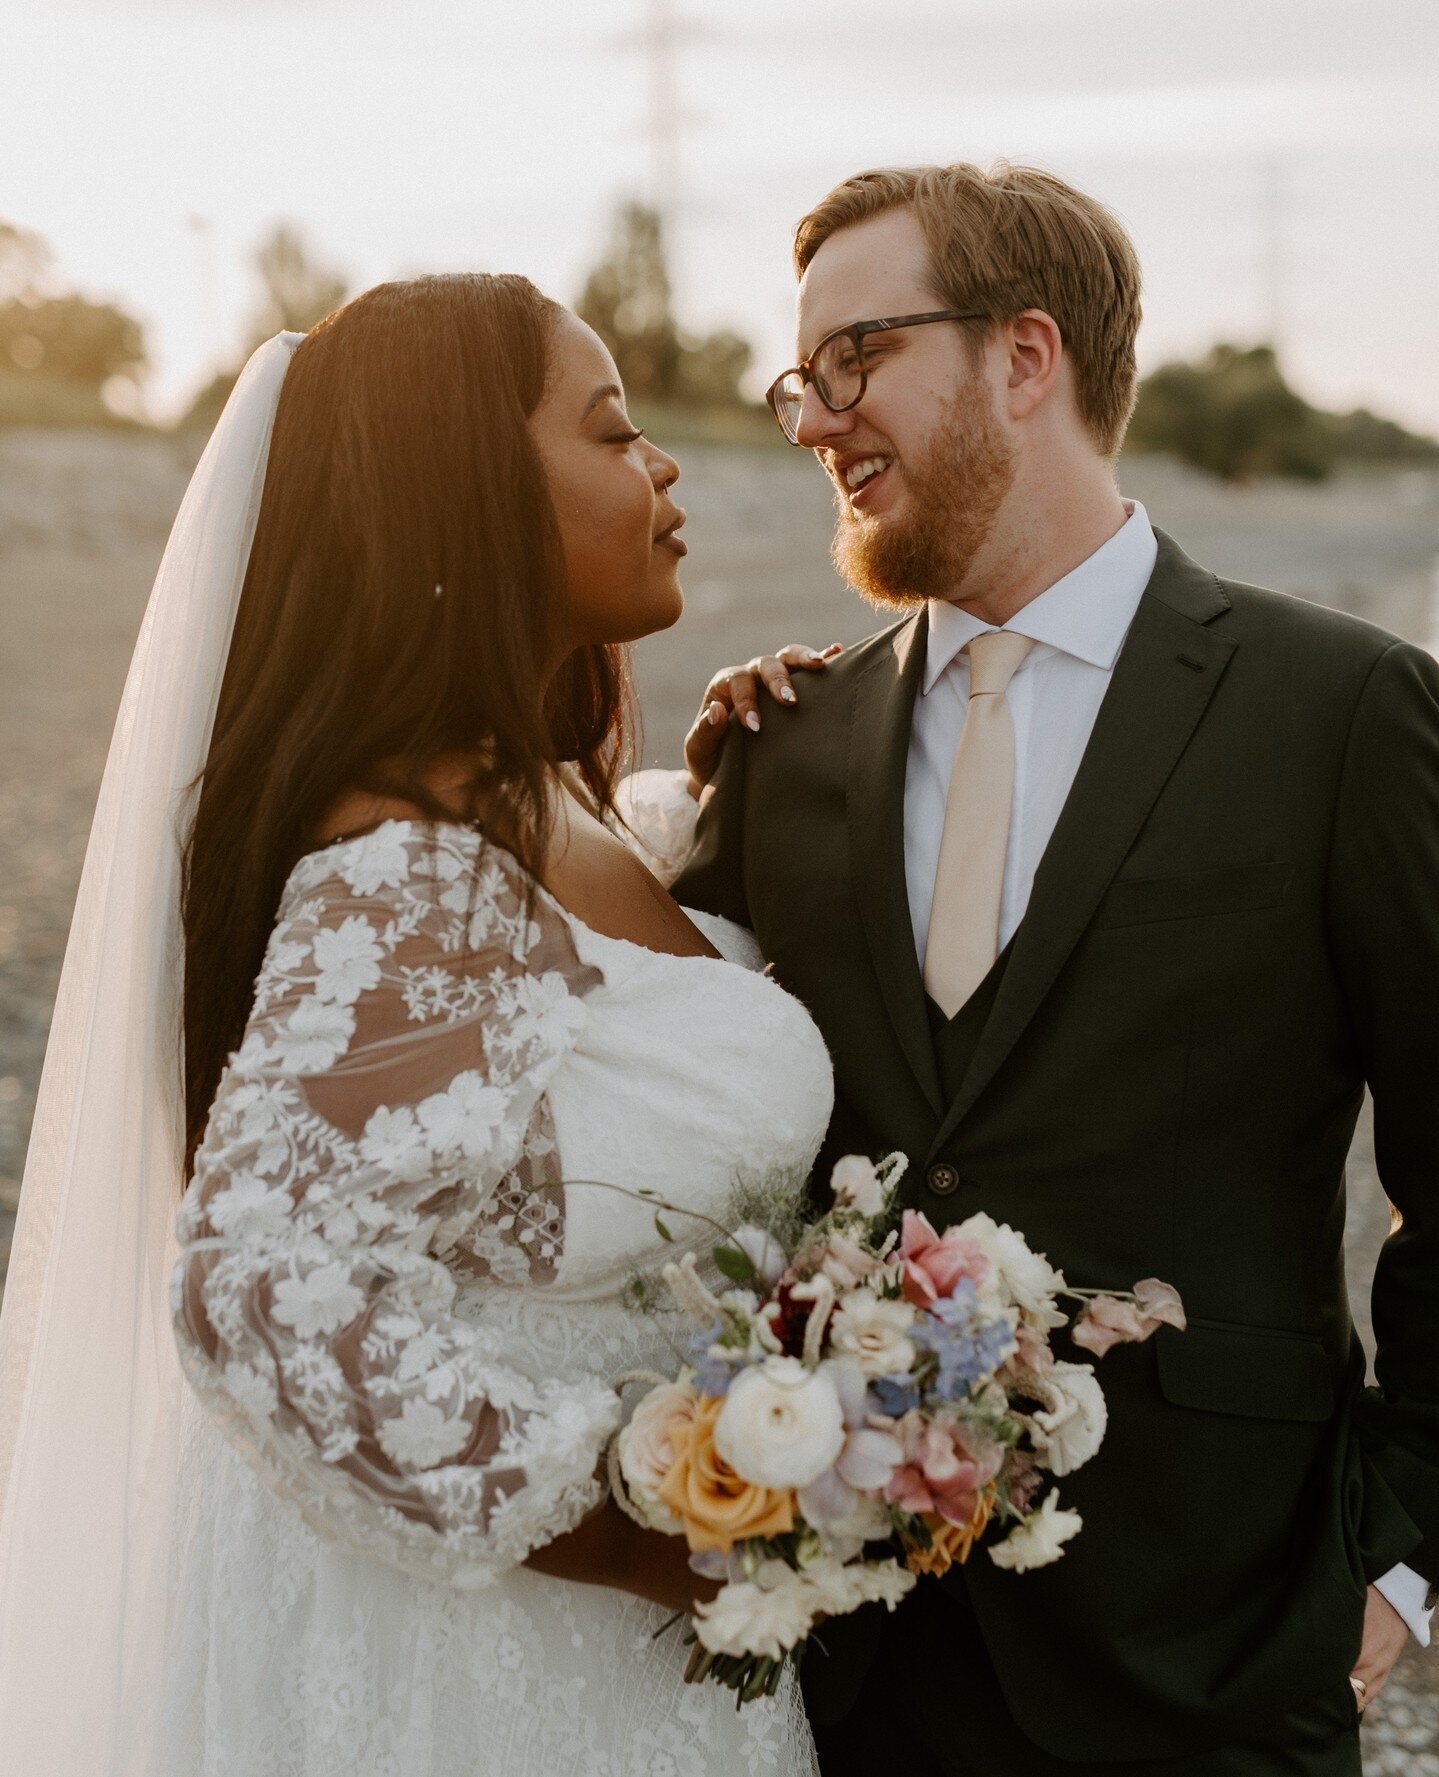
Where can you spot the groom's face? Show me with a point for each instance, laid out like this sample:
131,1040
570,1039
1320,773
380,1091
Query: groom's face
921,466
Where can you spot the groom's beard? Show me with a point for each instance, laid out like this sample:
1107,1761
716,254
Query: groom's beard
953,499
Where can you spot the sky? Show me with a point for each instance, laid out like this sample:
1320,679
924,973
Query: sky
1277,161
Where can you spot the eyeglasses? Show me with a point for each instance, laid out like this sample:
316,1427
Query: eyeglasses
837,367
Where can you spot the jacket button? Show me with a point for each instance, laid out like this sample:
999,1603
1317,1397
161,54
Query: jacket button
942,1179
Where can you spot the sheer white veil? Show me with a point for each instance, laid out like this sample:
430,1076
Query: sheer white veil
90,1384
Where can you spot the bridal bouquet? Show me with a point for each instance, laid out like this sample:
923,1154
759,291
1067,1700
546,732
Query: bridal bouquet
861,1405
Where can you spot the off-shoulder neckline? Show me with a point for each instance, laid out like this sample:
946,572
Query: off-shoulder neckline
475,829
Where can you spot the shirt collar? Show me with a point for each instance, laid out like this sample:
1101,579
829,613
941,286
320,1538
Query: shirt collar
1086,614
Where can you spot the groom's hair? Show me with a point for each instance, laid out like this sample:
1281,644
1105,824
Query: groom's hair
1012,238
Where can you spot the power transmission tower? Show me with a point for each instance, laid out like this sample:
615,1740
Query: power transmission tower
659,37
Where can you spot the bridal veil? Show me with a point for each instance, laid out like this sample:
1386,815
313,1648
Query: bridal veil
90,1384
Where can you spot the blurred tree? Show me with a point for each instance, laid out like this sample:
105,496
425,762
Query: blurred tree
64,358
71,339
1365,437
25,261
1234,415
712,368
299,292
627,299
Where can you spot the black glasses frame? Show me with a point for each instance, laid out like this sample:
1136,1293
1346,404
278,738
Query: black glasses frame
855,332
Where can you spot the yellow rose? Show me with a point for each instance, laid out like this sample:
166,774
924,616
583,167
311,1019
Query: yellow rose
715,1506
949,1543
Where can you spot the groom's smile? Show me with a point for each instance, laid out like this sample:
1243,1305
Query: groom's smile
862,474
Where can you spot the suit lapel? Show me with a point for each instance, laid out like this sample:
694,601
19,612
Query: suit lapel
874,794
1169,668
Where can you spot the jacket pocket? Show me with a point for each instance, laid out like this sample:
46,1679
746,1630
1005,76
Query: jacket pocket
1252,1372
1235,888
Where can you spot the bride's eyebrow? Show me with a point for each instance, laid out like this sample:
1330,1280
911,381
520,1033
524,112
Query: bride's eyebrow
609,391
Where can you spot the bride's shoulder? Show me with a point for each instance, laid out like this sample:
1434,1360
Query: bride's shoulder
357,811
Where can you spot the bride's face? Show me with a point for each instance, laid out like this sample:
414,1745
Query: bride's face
607,481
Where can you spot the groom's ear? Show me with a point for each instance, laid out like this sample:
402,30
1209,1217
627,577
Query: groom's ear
1036,364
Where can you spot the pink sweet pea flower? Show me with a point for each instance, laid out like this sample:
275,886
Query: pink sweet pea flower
1111,1320
940,1473
934,1263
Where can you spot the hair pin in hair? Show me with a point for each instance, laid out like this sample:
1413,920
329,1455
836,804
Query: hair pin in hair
439,592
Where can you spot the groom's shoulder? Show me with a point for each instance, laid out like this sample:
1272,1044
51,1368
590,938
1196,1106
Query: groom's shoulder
827,699
1301,621
1321,658
1300,626
889,646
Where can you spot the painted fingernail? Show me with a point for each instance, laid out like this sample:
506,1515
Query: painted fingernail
751,721
716,714
787,694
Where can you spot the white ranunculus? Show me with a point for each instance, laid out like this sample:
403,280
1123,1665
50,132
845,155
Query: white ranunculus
646,1454
1039,1539
856,1185
1069,1427
762,1250
781,1424
1027,1277
875,1333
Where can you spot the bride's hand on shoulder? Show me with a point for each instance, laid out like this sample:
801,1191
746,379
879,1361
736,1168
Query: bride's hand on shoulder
733,695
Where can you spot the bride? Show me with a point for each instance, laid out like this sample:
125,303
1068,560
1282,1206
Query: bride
428,989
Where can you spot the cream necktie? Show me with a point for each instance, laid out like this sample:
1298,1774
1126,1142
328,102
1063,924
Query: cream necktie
969,882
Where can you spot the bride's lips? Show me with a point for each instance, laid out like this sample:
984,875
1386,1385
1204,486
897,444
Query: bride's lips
670,539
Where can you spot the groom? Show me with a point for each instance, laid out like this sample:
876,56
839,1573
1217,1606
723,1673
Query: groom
1110,885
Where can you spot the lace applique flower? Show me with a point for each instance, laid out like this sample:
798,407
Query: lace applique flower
347,961
321,1303
375,861
422,1435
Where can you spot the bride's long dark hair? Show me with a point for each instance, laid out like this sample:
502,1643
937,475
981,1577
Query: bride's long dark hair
397,607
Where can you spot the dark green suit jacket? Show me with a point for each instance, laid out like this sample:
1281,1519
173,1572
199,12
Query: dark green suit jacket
1235,927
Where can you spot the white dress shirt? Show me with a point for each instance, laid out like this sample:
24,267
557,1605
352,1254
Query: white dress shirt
1078,627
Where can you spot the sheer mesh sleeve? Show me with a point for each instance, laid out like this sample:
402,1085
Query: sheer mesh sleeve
381,1132
659,815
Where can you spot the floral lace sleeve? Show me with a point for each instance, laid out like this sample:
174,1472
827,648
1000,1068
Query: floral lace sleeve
659,815
380,1134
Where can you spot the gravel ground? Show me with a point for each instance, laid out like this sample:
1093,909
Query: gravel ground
83,519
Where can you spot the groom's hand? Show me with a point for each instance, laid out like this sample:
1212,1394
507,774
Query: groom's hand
733,693
1385,1633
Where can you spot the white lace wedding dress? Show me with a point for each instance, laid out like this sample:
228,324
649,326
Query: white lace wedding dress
408,1335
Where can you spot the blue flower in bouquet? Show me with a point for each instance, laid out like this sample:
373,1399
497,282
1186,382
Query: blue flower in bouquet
896,1395
713,1374
969,1344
